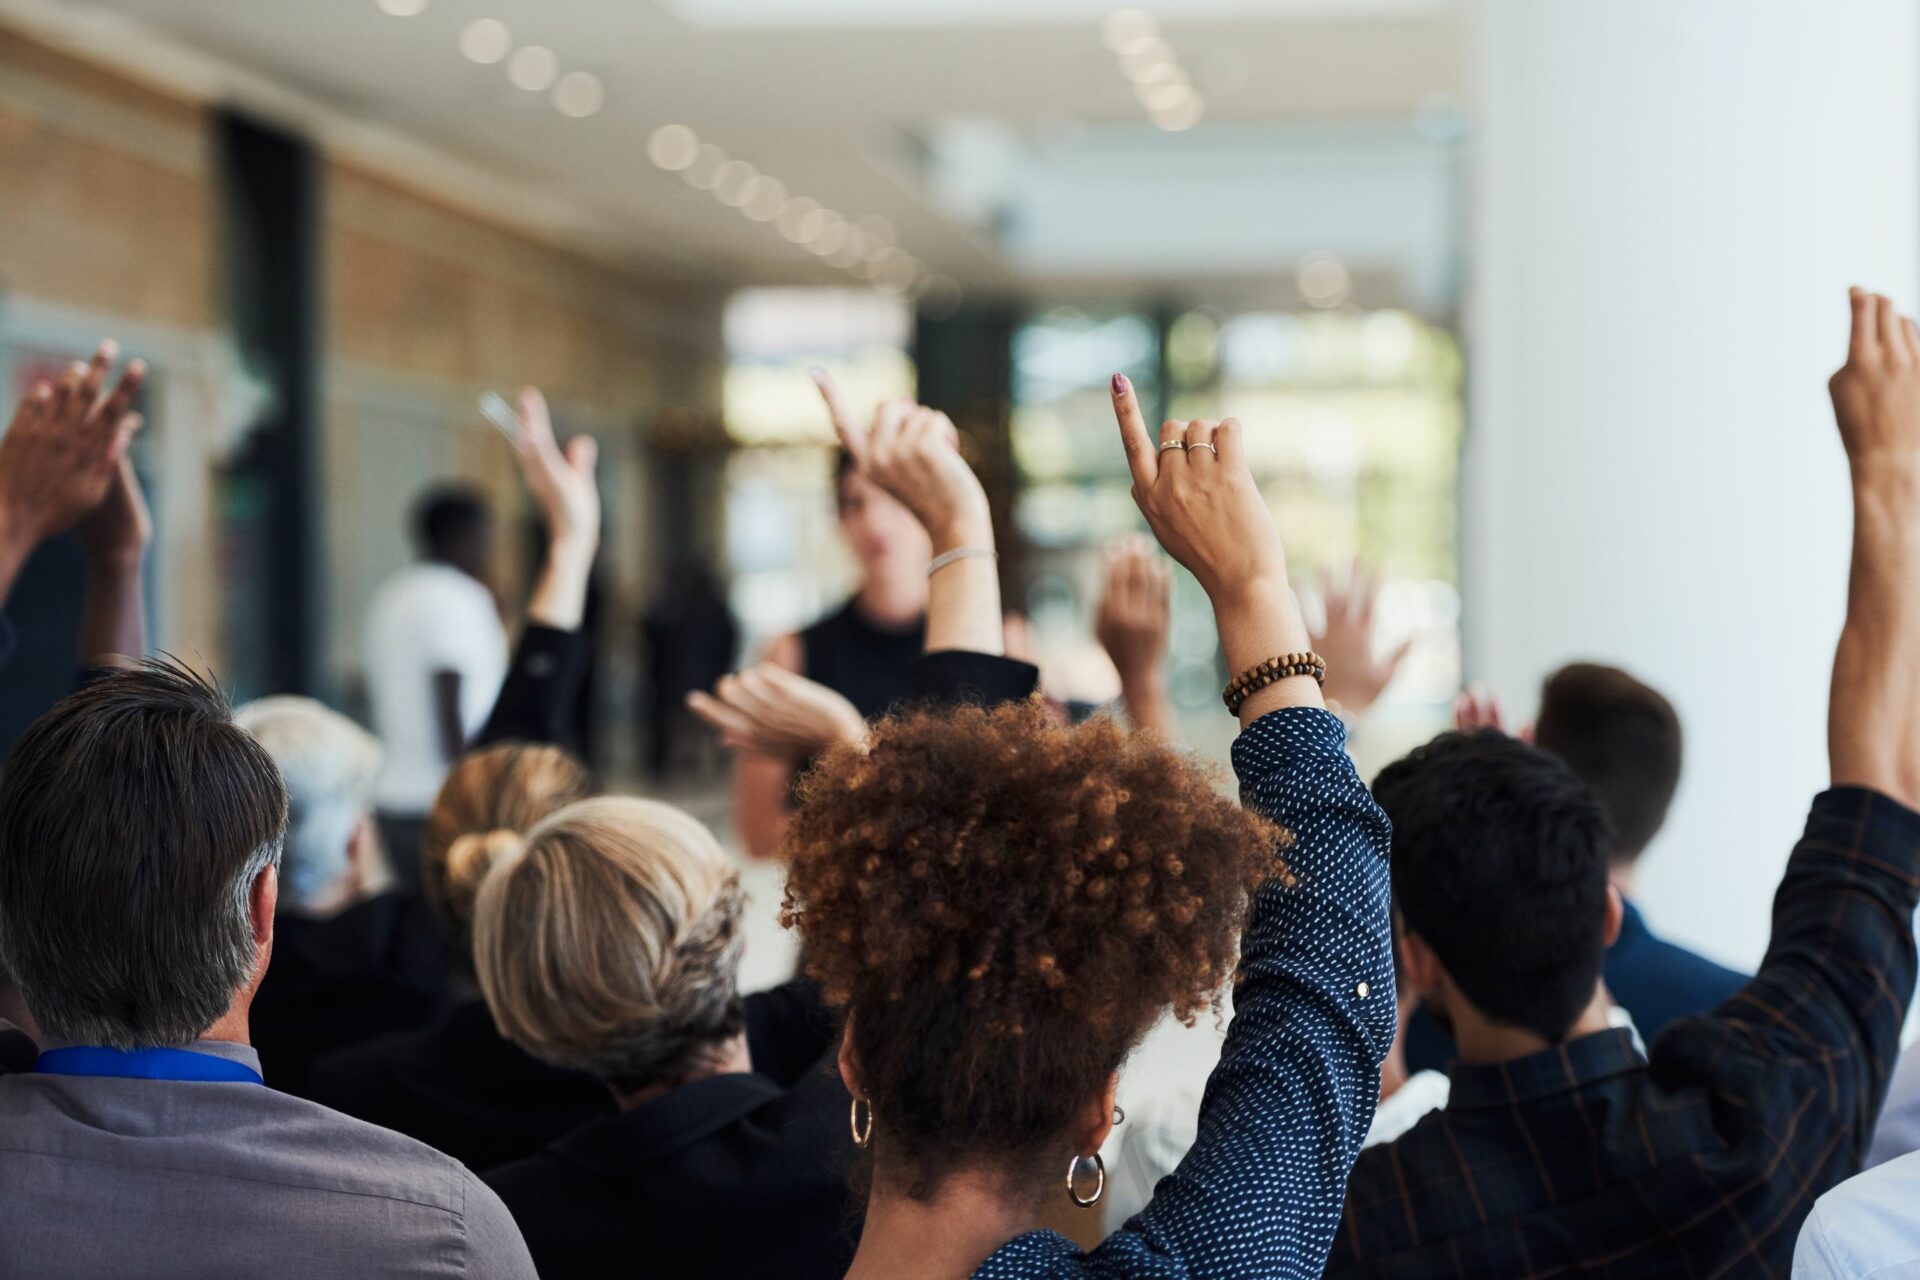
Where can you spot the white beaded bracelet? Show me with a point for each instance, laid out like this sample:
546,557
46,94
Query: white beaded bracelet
946,558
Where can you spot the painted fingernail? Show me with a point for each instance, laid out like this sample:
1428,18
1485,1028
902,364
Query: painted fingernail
1120,384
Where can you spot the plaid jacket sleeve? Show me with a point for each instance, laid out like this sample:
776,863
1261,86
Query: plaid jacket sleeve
1285,1112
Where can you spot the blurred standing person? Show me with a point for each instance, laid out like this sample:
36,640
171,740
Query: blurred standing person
691,639
865,650
436,652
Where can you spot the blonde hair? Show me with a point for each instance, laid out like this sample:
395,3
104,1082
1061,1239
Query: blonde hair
609,942
489,798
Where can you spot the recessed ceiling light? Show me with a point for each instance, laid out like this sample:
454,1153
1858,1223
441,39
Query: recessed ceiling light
708,161
1181,116
1156,73
1172,96
1324,280
794,215
579,94
828,234
766,197
731,183
486,41
1127,27
673,147
533,68
1145,54
402,8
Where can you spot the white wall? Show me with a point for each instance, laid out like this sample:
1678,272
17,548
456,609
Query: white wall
1671,199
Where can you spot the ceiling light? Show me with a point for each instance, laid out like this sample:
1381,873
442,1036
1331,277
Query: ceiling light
794,215
1180,117
898,275
402,8
1128,27
673,147
879,228
1157,73
579,94
533,68
828,235
1324,280
766,198
1166,97
1145,54
486,41
708,161
731,182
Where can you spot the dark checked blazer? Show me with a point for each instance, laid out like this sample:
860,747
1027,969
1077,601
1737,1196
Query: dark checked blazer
1587,1161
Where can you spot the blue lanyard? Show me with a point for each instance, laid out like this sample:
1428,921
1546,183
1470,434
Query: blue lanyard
144,1064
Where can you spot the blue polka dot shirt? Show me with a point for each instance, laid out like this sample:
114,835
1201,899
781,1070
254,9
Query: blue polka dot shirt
1259,1194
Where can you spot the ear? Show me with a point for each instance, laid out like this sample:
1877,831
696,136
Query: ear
1097,1121
263,899
1616,912
1424,973
849,1069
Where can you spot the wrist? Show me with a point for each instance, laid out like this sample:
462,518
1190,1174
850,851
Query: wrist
573,553
965,532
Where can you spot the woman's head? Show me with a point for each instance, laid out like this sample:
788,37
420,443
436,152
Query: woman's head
1003,906
882,534
489,798
609,942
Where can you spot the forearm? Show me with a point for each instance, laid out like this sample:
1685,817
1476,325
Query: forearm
113,621
559,598
15,548
963,597
1873,734
541,688
1257,621
1149,705
760,787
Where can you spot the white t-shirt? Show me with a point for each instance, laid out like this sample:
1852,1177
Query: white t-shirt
426,619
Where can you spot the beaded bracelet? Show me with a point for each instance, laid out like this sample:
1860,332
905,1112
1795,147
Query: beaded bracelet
1272,671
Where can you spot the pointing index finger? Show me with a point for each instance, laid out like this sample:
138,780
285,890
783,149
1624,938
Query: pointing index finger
853,438
1143,458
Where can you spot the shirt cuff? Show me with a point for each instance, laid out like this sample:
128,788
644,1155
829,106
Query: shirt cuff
1867,822
961,676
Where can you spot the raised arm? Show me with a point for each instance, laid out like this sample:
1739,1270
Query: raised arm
1357,671
549,662
1133,623
1291,1100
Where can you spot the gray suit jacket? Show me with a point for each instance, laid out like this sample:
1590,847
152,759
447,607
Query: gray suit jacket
105,1177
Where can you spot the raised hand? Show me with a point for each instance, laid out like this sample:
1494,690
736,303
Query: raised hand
1199,499
117,532
63,449
1357,674
1876,394
913,452
771,711
1135,615
562,482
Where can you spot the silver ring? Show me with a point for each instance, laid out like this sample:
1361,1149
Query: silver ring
1205,444
1173,444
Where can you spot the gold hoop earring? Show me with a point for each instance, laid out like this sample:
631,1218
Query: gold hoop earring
1099,1186
862,1133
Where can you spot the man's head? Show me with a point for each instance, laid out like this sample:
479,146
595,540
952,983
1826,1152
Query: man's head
1622,739
330,765
140,830
453,525
1500,879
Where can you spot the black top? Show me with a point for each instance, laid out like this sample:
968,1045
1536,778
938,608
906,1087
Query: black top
664,1189
867,665
377,968
460,1087
541,685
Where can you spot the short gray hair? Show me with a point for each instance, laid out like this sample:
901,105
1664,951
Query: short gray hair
135,818
330,765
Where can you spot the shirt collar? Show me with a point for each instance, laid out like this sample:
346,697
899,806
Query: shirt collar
243,1054
1560,1069
1632,923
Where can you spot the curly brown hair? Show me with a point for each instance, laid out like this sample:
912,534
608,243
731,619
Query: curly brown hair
1002,906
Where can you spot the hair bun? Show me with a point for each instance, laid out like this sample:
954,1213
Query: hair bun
471,856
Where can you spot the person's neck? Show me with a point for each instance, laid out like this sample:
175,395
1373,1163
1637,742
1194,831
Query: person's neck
945,1237
1483,1041
1623,875
14,1009
893,597
731,1060
232,1027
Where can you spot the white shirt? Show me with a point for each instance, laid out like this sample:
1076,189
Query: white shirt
1867,1228
426,619
1898,1132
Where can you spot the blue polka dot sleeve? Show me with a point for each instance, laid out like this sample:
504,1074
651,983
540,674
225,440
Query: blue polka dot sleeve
1284,1113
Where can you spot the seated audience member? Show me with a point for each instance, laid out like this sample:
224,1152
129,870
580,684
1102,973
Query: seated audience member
609,943
1561,1150
352,958
1621,738
1898,1132
457,1084
1001,905
140,840
64,466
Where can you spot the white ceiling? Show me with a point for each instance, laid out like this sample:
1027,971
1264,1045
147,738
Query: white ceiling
844,101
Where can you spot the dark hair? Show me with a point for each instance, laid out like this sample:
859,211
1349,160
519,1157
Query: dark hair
1500,865
1003,905
1622,738
447,516
134,818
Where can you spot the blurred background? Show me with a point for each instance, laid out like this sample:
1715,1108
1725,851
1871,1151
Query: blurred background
1530,303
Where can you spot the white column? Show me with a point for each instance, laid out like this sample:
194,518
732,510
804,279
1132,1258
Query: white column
1672,197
